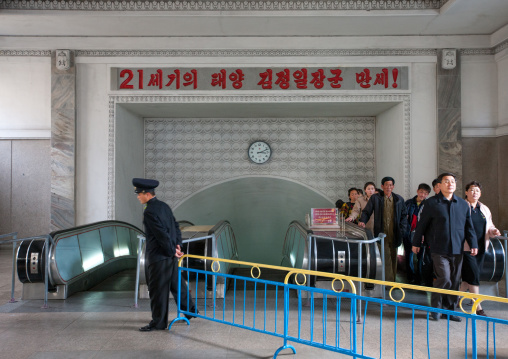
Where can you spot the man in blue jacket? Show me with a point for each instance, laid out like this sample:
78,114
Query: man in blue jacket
163,248
390,218
445,223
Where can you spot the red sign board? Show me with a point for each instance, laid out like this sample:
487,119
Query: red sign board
264,79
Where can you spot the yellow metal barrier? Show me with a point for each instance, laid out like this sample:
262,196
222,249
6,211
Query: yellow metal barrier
476,298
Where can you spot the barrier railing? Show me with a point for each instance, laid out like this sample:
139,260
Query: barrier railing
330,321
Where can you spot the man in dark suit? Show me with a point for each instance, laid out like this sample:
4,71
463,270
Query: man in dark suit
163,248
390,218
445,223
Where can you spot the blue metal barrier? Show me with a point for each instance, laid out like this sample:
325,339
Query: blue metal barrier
329,321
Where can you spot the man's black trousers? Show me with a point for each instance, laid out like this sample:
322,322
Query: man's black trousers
163,278
159,279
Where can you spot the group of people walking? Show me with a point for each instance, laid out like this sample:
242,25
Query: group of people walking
444,232
445,237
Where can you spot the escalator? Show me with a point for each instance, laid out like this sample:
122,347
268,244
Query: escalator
83,257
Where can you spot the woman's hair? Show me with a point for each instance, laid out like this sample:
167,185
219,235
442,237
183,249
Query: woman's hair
367,184
473,184
351,190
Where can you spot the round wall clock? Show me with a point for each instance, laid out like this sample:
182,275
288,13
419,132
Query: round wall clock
259,152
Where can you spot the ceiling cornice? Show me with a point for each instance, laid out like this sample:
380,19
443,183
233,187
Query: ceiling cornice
221,5
257,52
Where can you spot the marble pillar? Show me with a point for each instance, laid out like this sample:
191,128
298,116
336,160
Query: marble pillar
63,137
502,166
449,121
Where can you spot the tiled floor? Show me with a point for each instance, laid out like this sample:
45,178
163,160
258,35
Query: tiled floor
102,323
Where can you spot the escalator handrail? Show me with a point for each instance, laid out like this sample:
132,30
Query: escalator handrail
79,229
301,226
305,233
180,223
218,226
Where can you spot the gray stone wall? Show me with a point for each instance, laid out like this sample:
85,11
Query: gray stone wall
502,175
484,161
449,120
25,179
63,146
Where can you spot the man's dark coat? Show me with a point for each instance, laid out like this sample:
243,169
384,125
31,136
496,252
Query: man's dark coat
162,231
376,205
445,225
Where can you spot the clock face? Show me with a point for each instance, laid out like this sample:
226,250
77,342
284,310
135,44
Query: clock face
259,152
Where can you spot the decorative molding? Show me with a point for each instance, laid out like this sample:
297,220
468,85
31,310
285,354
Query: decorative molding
501,46
256,52
485,131
25,134
259,98
63,60
222,5
502,131
478,132
485,51
449,59
111,158
33,53
114,100
471,52
406,101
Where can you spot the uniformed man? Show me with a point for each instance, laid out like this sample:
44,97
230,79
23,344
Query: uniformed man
163,248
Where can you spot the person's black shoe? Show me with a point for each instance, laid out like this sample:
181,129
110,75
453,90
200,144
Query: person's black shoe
434,316
147,328
193,315
481,312
453,318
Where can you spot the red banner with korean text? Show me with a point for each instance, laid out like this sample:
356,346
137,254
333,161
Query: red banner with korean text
262,79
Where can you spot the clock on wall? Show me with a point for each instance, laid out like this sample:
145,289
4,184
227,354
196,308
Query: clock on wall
259,152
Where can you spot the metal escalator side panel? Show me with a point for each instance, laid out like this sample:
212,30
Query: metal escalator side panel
494,262
348,259
67,260
71,271
367,257
335,263
21,262
27,261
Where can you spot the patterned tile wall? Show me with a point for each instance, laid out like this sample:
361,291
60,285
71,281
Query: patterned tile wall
328,155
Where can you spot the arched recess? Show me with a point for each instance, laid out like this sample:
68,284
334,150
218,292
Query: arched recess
259,209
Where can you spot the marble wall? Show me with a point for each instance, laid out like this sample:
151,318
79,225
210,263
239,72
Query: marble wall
25,180
484,161
63,136
502,175
449,120
481,156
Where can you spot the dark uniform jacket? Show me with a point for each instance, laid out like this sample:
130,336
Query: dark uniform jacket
445,225
376,205
162,231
